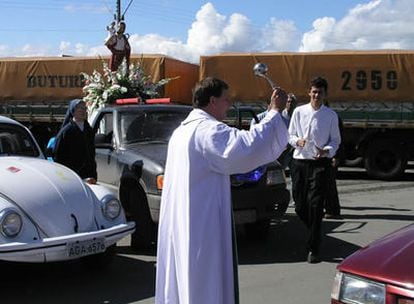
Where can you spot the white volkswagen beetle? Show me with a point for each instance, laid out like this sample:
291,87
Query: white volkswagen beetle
47,213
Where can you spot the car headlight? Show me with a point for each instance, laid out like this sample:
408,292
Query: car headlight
111,209
353,289
10,223
275,177
249,177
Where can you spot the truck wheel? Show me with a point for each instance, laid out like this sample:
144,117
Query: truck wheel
144,235
385,159
258,230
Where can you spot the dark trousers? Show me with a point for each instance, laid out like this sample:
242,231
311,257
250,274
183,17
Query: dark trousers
309,188
332,205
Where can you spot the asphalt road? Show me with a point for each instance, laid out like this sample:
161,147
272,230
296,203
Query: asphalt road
270,271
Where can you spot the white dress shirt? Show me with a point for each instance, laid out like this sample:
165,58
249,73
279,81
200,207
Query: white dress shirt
318,127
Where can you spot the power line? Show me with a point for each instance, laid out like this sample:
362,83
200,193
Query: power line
80,30
154,11
58,5
130,2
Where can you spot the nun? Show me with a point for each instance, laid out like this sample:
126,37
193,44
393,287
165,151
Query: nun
74,145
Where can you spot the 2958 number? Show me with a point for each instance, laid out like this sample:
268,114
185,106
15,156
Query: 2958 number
375,79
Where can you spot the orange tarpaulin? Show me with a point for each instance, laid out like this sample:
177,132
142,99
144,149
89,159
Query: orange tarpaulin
47,79
352,75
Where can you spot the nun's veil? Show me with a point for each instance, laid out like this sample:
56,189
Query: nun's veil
69,113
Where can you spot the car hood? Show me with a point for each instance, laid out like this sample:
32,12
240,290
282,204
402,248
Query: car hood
155,151
386,260
53,196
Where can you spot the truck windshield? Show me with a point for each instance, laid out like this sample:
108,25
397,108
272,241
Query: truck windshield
16,141
149,125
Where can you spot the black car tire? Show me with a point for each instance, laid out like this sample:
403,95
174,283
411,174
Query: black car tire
144,235
258,230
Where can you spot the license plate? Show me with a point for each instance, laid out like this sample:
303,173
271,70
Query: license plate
84,248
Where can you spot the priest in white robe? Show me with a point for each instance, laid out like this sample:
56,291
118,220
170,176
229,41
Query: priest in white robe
196,260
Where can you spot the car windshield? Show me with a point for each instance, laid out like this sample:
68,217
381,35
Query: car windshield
14,140
240,115
149,125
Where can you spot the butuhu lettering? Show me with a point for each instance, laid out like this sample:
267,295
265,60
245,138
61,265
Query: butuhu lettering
55,81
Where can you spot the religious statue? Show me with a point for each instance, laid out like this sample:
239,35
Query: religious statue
117,43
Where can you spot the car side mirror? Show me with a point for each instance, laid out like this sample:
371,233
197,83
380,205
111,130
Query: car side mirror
48,151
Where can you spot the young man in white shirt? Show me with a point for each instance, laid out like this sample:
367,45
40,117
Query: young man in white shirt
314,133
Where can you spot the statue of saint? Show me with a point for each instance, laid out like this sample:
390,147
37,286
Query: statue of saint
117,43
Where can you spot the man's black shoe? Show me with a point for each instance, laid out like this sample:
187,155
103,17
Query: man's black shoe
313,258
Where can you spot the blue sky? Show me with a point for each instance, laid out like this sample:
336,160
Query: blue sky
187,29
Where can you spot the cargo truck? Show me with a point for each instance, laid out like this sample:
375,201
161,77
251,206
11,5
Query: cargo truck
372,92
36,91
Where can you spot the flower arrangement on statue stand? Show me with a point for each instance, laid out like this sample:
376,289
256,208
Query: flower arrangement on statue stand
104,89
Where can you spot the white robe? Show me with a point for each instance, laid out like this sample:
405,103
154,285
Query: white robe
194,255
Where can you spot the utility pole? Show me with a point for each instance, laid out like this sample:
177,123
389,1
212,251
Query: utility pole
118,16
118,11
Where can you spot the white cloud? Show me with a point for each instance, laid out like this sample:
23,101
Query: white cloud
81,48
317,39
29,50
373,25
64,47
100,50
205,33
4,50
279,35
156,44
379,24
238,34
213,33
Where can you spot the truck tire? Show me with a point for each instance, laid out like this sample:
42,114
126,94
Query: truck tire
385,159
144,236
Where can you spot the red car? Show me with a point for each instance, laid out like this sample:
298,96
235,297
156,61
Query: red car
380,273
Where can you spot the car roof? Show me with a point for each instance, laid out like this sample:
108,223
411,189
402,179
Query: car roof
126,108
250,105
4,119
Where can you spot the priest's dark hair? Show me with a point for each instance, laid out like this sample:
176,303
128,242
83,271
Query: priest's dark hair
206,88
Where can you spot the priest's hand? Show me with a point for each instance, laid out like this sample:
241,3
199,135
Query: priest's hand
278,100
